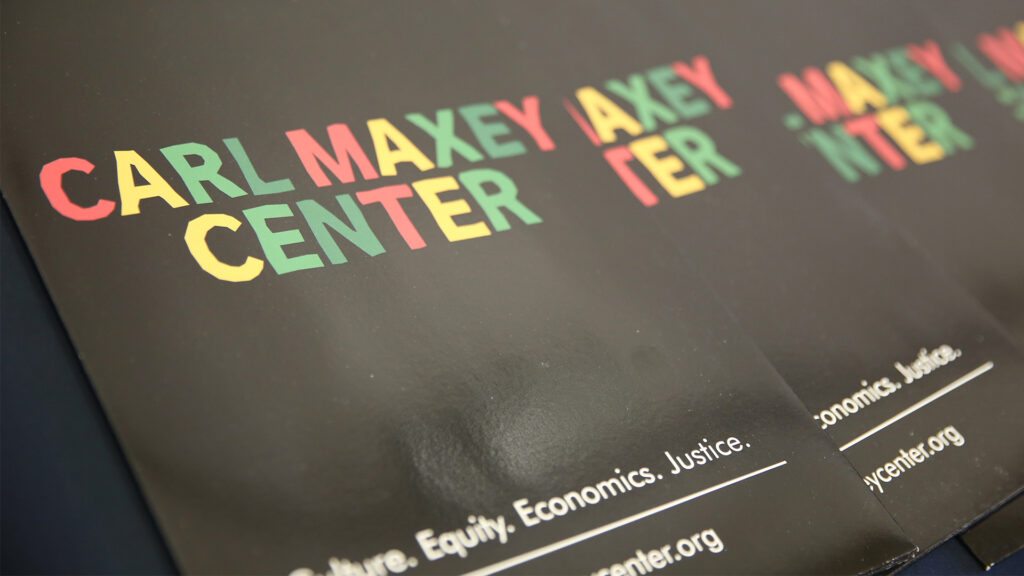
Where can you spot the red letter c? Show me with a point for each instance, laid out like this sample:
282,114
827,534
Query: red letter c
50,178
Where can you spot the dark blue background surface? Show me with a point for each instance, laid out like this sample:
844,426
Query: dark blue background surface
69,503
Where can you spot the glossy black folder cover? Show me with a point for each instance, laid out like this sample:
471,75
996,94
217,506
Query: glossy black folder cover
966,212
997,537
994,232
559,394
968,215
838,297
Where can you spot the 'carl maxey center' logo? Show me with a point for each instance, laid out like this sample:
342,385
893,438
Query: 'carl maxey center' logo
861,116
474,202
874,111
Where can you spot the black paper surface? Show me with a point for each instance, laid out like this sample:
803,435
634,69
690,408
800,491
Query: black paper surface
968,215
821,273
329,415
965,211
997,537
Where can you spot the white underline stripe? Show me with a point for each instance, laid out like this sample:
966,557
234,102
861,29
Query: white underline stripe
924,402
545,550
